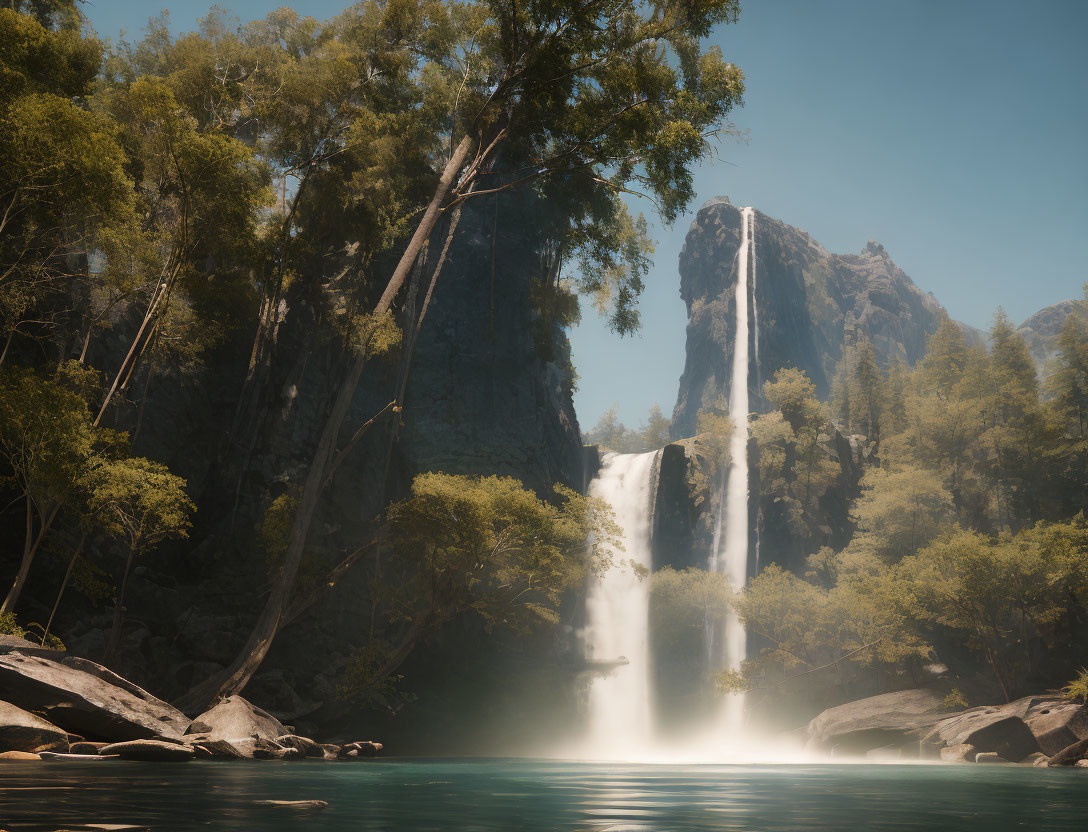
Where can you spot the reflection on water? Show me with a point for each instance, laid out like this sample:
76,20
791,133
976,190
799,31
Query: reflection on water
542,796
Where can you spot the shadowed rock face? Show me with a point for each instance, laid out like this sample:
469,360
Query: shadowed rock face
1041,330
808,304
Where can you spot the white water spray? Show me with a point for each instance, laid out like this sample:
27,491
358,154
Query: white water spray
730,553
617,617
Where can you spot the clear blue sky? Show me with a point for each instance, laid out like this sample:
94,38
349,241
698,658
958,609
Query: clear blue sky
955,132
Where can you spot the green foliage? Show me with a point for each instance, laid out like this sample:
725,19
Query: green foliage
9,626
475,546
684,606
899,511
612,435
1077,689
954,700
142,503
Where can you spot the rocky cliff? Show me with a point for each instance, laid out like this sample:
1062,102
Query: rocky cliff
806,304
489,393
1041,330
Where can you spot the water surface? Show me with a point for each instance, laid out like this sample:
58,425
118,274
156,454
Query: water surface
507,795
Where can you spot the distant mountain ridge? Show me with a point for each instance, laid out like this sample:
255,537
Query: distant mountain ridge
807,304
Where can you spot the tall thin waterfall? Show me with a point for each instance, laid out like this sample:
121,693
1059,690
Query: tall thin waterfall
730,553
755,307
617,616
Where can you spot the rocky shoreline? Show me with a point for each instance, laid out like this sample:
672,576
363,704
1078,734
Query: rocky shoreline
72,709
1043,730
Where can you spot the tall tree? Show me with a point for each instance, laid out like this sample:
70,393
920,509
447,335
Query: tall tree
582,101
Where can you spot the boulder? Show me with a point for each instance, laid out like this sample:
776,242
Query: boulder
1082,764
329,751
876,722
153,751
242,748
85,702
1055,722
23,731
362,748
989,757
963,753
1068,756
10,643
305,746
86,747
235,718
19,755
1034,759
987,729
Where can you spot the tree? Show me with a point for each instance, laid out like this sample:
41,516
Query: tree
581,101
64,188
481,546
794,396
656,432
1068,388
47,443
1002,595
143,504
867,392
899,511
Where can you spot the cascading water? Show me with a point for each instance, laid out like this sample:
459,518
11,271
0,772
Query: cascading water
617,616
729,555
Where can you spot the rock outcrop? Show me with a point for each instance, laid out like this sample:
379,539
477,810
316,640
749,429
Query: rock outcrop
23,731
1041,330
85,703
890,719
809,303
987,730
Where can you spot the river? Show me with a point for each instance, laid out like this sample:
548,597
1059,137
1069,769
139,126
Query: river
512,795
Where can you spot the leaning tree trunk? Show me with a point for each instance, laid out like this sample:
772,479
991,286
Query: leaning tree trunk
63,586
30,549
234,678
115,628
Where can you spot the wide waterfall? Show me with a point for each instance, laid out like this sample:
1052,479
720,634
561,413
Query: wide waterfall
730,551
617,616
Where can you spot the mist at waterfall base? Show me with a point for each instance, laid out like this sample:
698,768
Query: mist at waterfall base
620,702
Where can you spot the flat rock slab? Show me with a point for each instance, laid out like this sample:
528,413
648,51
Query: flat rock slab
19,755
23,731
86,703
152,751
295,804
76,758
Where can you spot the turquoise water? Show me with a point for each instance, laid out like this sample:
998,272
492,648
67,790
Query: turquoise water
533,795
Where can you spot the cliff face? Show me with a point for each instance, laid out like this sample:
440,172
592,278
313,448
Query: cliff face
489,392
1041,330
806,303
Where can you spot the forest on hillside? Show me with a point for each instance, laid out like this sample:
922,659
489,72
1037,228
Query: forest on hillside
967,558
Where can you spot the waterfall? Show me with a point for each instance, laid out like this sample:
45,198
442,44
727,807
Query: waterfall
617,616
755,316
730,552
